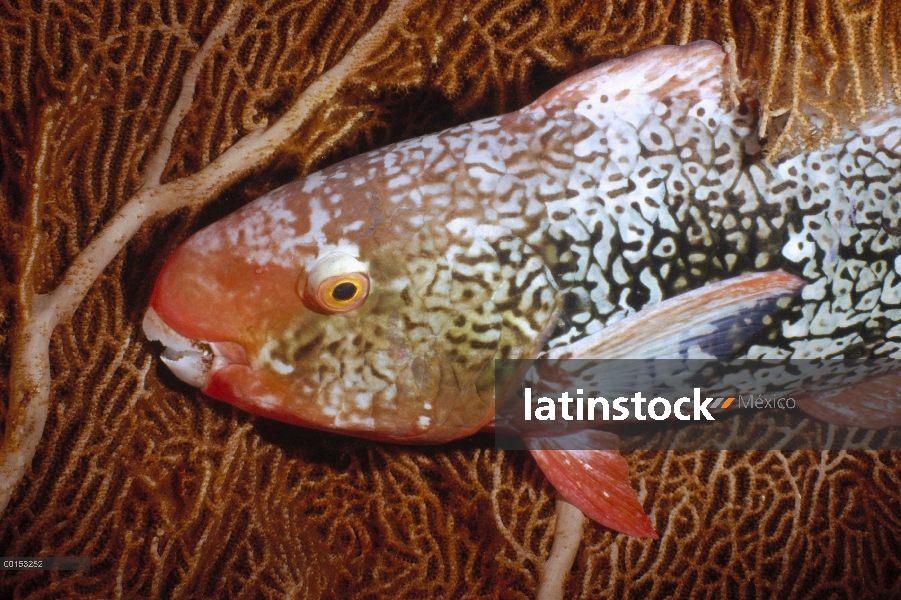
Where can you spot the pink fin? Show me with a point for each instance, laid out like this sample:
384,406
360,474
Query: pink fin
631,87
594,481
872,404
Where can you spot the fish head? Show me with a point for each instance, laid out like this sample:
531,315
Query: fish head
331,315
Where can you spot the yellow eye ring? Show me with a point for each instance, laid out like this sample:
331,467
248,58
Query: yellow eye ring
337,284
342,293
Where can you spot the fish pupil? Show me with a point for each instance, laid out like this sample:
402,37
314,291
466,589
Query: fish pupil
344,291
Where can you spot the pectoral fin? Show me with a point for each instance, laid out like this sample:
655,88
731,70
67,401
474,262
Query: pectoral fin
711,322
714,321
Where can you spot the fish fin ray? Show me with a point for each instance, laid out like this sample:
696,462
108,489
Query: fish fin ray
596,481
631,87
871,404
715,320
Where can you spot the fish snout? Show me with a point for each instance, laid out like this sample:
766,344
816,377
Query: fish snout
192,361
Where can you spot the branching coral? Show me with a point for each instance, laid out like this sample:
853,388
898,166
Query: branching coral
116,114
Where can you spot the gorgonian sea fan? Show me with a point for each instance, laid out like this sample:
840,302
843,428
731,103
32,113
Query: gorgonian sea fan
137,472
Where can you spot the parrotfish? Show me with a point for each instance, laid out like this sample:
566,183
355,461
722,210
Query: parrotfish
629,211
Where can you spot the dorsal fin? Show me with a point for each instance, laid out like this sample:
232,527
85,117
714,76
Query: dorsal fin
632,87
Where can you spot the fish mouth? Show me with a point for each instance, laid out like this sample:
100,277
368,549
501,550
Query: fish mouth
192,361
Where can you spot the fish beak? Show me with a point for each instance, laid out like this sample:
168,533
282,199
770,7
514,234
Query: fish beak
192,361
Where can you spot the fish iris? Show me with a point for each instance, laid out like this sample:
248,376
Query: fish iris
342,293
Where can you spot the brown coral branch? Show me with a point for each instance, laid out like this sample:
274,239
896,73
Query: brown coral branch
797,53
39,314
769,84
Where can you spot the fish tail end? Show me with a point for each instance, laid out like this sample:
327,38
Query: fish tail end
871,404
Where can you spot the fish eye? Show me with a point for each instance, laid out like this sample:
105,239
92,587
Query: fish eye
342,293
337,284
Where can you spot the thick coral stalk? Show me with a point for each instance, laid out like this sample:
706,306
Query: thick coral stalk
567,539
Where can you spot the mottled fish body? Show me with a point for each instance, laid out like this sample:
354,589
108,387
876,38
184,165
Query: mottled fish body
373,297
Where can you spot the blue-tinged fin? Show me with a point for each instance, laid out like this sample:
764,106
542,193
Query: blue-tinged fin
714,321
